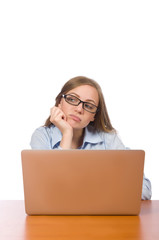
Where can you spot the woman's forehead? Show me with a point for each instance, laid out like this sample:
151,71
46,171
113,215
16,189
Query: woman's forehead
85,92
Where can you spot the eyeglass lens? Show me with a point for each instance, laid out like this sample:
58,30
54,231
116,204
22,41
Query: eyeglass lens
76,101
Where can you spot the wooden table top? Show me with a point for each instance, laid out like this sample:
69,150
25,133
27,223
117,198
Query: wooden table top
16,225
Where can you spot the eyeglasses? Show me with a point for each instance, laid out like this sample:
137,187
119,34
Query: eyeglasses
89,107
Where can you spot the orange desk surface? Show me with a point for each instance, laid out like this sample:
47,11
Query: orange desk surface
16,225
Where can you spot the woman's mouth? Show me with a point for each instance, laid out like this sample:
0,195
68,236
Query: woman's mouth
75,118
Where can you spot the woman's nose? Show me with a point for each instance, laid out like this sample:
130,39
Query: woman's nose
79,108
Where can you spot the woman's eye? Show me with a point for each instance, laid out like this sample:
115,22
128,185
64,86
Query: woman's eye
89,106
71,99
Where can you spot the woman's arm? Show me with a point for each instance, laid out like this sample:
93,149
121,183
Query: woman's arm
146,189
58,118
40,139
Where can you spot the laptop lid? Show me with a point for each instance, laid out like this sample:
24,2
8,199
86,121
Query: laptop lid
82,182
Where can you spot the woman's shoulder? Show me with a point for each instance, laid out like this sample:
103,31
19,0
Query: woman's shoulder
44,131
45,137
112,140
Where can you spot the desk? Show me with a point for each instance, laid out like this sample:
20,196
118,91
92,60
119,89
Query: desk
16,225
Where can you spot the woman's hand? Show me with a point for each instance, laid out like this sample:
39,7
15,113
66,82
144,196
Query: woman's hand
58,118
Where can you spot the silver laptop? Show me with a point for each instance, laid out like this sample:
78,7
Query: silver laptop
82,182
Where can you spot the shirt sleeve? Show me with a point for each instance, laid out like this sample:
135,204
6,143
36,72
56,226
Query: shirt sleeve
40,140
113,141
146,189
117,143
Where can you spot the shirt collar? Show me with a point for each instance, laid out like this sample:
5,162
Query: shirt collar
90,136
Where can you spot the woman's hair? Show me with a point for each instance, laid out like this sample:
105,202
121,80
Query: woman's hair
102,121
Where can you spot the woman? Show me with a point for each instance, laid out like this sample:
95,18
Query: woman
79,120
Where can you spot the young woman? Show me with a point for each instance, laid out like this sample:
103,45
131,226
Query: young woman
79,120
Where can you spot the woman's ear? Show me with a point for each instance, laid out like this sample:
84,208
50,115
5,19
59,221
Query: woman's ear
92,118
59,105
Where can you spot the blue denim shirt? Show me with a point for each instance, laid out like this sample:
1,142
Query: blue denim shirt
47,138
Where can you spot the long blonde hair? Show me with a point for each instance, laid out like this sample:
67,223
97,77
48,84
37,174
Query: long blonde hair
102,121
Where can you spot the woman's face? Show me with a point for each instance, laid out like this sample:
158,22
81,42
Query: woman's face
76,116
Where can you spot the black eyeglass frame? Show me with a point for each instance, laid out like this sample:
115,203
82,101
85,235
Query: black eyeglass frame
80,101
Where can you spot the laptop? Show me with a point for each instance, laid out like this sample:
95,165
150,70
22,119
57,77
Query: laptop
82,182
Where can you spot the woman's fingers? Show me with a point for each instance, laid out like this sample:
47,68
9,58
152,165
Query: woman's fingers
58,118
56,114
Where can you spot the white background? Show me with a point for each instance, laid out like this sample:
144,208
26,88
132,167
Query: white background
45,43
